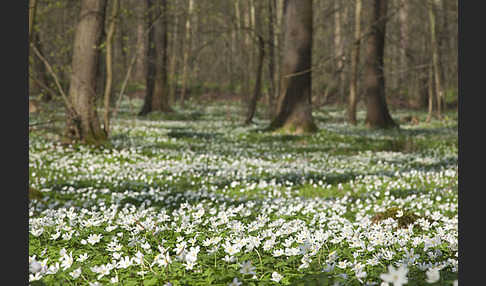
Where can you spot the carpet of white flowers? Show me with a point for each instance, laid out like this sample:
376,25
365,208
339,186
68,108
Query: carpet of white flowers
197,198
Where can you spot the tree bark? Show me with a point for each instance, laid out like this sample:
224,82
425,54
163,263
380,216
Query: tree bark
173,62
187,50
377,115
435,58
109,66
261,54
339,46
353,89
84,124
294,112
140,73
32,12
151,61
160,99
271,55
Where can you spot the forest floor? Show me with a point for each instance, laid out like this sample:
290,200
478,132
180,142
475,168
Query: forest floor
196,198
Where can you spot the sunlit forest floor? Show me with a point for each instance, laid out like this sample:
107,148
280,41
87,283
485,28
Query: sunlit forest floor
196,198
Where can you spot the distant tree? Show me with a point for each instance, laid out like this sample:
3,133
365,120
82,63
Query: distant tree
82,120
157,89
294,112
353,87
377,115
261,55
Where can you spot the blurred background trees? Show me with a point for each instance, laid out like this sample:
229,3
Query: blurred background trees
210,49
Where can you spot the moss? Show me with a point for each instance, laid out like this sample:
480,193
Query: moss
307,127
404,221
35,194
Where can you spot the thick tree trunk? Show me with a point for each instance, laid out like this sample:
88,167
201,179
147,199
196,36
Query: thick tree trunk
84,124
294,112
353,89
151,62
141,62
160,99
377,115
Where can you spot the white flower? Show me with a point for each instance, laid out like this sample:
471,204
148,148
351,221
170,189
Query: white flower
114,279
229,259
82,257
162,259
55,235
124,263
75,273
396,276
36,231
276,277
53,269
455,283
247,268
67,261
35,277
235,282
433,275
94,238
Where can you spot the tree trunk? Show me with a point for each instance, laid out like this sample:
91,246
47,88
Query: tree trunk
339,46
435,58
109,66
261,54
84,124
160,99
140,73
32,12
430,90
279,29
404,42
151,63
377,115
294,111
271,55
187,50
353,89
173,63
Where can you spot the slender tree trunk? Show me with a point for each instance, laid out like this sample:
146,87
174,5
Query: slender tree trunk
40,70
353,89
294,111
84,123
435,58
377,115
271,55
261,54
187,50
151,61
430,90
32,12
109,66
279,29
339,46
173,63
